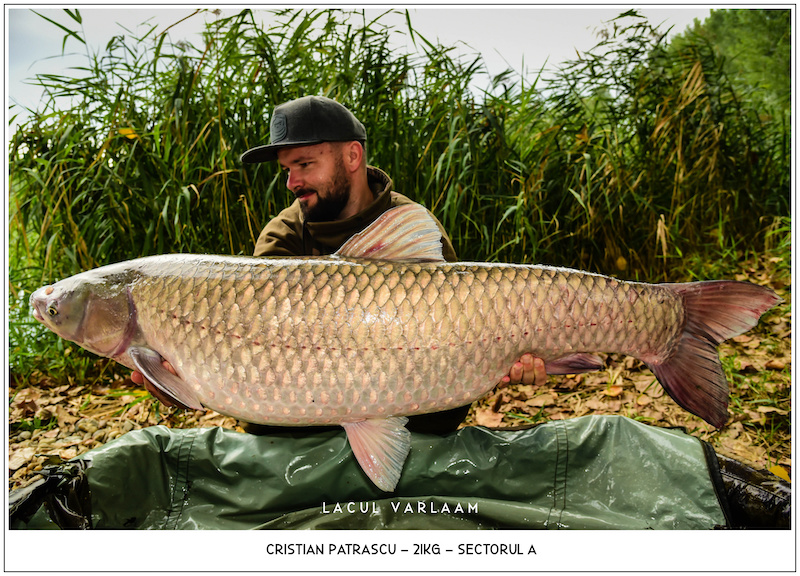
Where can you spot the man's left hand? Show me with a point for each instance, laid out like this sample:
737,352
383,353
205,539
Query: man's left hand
527,370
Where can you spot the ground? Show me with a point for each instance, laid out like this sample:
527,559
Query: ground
69,418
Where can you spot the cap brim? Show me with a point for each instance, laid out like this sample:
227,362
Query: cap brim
269,152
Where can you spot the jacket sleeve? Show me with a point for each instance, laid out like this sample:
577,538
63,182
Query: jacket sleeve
448,251
282,236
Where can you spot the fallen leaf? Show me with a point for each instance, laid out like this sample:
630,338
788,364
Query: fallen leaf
780,473
595,404
614,390
768,409
756,417
68,454
488,417
64,417
775,364
28,407
20,457
541,400
654,414
747,367
643,400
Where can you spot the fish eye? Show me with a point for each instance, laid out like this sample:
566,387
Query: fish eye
52,310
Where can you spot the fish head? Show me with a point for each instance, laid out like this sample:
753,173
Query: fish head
89,309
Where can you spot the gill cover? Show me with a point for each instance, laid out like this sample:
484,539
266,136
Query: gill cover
95,313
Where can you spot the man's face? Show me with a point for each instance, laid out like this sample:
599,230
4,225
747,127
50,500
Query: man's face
317,178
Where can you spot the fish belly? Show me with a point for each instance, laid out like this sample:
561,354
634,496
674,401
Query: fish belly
316,342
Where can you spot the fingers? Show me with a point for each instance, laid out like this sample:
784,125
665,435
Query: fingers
540,374
516,373
528,374
529,369
169,367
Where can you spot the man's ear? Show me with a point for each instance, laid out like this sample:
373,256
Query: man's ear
353,155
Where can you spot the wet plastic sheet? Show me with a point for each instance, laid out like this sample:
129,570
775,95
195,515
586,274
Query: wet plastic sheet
594,472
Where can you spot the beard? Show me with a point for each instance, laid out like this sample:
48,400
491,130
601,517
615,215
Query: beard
331,199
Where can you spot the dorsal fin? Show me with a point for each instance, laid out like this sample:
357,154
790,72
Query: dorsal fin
402,233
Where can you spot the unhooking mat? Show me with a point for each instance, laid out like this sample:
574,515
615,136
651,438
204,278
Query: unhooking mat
593,472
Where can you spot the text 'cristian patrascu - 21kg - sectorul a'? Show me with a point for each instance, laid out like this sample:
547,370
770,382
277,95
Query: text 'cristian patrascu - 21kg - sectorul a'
376,549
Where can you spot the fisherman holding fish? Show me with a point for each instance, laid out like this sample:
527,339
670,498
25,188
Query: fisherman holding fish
379,331
321,146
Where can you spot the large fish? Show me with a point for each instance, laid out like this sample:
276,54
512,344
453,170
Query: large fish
385,329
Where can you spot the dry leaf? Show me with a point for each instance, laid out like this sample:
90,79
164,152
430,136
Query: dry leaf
595,404
614,390
780,472
747,367
775,364
20,457
64,417
768,409
488,417
541,400
28,407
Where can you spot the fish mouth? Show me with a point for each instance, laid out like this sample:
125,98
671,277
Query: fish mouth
37,302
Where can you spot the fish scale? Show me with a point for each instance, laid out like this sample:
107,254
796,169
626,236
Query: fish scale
366,342
382,340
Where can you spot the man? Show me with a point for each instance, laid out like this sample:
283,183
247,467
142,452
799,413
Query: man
321,147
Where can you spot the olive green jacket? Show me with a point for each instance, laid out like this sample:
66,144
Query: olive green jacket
289,235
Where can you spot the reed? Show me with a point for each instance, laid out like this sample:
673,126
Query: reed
638,159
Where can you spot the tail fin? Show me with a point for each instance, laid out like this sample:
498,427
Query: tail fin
714,311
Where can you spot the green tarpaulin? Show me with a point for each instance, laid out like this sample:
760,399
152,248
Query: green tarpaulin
594,472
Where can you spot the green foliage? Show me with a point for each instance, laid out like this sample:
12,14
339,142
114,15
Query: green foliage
638,158
756,47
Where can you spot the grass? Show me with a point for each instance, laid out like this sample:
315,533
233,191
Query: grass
613,161
618,164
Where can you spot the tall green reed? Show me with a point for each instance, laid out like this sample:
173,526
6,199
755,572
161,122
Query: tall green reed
636,159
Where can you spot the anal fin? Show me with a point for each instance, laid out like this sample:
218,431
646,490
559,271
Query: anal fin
148,362
380,447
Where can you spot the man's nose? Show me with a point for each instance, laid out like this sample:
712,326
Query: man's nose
293,182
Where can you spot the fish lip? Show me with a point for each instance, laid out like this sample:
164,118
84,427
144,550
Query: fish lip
37,302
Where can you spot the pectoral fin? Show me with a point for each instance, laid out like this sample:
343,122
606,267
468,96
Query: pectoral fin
148,362
381,448
401,234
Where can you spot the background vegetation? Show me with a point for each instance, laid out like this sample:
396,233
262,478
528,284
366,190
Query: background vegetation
642,158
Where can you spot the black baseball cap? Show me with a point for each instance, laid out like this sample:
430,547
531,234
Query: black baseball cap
305,121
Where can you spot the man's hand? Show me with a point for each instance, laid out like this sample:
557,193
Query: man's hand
138,378
527,370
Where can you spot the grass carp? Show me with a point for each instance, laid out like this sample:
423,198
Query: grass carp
384,329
